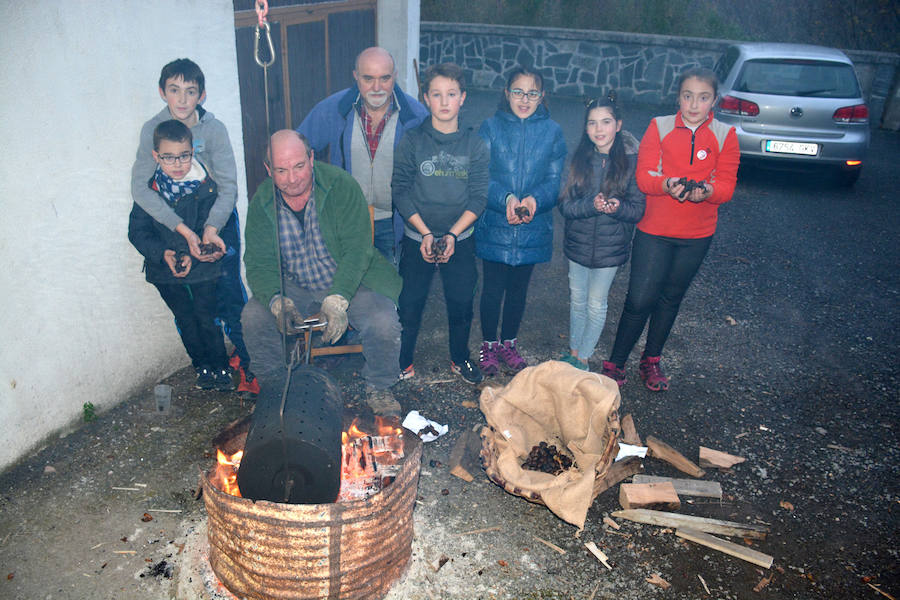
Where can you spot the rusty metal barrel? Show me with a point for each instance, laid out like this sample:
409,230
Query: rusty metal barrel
345,551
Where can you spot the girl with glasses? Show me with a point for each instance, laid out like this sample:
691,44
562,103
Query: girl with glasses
515,232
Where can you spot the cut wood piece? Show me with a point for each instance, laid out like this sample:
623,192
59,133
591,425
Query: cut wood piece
686,487
598,553
718,459
549,544
668,519
611,523
649,495
663,451
464,455
658,581
619,471
730,548
629,433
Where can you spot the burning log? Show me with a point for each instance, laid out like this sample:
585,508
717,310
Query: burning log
369,462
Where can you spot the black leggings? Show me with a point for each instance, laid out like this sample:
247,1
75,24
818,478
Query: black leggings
501,279
662,269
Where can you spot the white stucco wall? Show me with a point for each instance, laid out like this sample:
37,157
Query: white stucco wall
78,322
398,31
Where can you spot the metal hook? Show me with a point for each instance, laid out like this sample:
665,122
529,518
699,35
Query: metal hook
256,56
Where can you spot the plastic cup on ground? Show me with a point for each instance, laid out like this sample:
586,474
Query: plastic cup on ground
163,395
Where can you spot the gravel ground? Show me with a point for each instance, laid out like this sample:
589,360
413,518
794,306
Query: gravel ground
781,354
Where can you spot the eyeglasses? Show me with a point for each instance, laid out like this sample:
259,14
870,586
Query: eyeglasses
171,159
532,95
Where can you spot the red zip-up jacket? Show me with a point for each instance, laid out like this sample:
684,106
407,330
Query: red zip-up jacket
670,149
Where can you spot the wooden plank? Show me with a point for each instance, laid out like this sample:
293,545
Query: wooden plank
629,433
663,451
332,350
649,495
730,548
668,519
619,471
718,459
686,487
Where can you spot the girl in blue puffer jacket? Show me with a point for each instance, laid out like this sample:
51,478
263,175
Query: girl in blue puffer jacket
515,232
601,203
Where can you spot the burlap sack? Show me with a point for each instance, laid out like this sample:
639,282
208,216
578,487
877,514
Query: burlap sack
559,404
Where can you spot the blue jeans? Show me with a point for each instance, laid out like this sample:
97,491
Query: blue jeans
374,316
385,242
588,293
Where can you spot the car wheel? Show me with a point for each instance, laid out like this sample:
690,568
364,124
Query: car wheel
848,178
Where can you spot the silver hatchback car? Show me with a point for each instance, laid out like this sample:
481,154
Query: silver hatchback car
794,105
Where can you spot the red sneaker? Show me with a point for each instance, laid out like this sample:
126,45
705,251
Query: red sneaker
615,373
652,374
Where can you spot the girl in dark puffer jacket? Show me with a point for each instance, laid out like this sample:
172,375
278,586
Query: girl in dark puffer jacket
601,204
515,231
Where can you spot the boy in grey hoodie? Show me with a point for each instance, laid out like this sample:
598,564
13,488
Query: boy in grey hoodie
439,185
182,88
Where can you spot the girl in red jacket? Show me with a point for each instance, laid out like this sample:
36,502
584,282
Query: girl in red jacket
687,166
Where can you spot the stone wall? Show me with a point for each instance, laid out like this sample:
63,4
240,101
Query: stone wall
575,62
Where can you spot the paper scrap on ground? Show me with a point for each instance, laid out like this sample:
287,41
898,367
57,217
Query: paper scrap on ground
626,450
417,423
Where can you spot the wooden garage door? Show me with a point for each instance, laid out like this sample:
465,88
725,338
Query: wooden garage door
315,46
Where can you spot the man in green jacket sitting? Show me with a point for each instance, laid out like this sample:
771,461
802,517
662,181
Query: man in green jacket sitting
327,257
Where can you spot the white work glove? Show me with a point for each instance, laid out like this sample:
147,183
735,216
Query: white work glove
287,317
334,308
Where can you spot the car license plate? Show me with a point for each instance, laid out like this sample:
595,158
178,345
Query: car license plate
792,147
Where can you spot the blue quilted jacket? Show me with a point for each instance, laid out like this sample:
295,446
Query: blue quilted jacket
527,158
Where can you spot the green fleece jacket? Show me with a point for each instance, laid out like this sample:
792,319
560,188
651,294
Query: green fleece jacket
346,229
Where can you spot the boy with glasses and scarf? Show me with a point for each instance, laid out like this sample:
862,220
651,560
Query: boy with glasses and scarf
186,285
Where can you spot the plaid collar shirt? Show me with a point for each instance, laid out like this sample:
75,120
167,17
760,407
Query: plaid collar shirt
371,131
304,257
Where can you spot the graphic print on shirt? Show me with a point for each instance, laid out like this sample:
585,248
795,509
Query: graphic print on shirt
446,165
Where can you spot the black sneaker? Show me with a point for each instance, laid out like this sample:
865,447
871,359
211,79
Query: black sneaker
224,382
206,379
468,371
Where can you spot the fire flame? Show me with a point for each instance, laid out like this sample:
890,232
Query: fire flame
225,477
383,426
368,460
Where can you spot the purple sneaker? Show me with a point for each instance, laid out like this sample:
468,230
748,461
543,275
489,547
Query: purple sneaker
510,355
487,358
